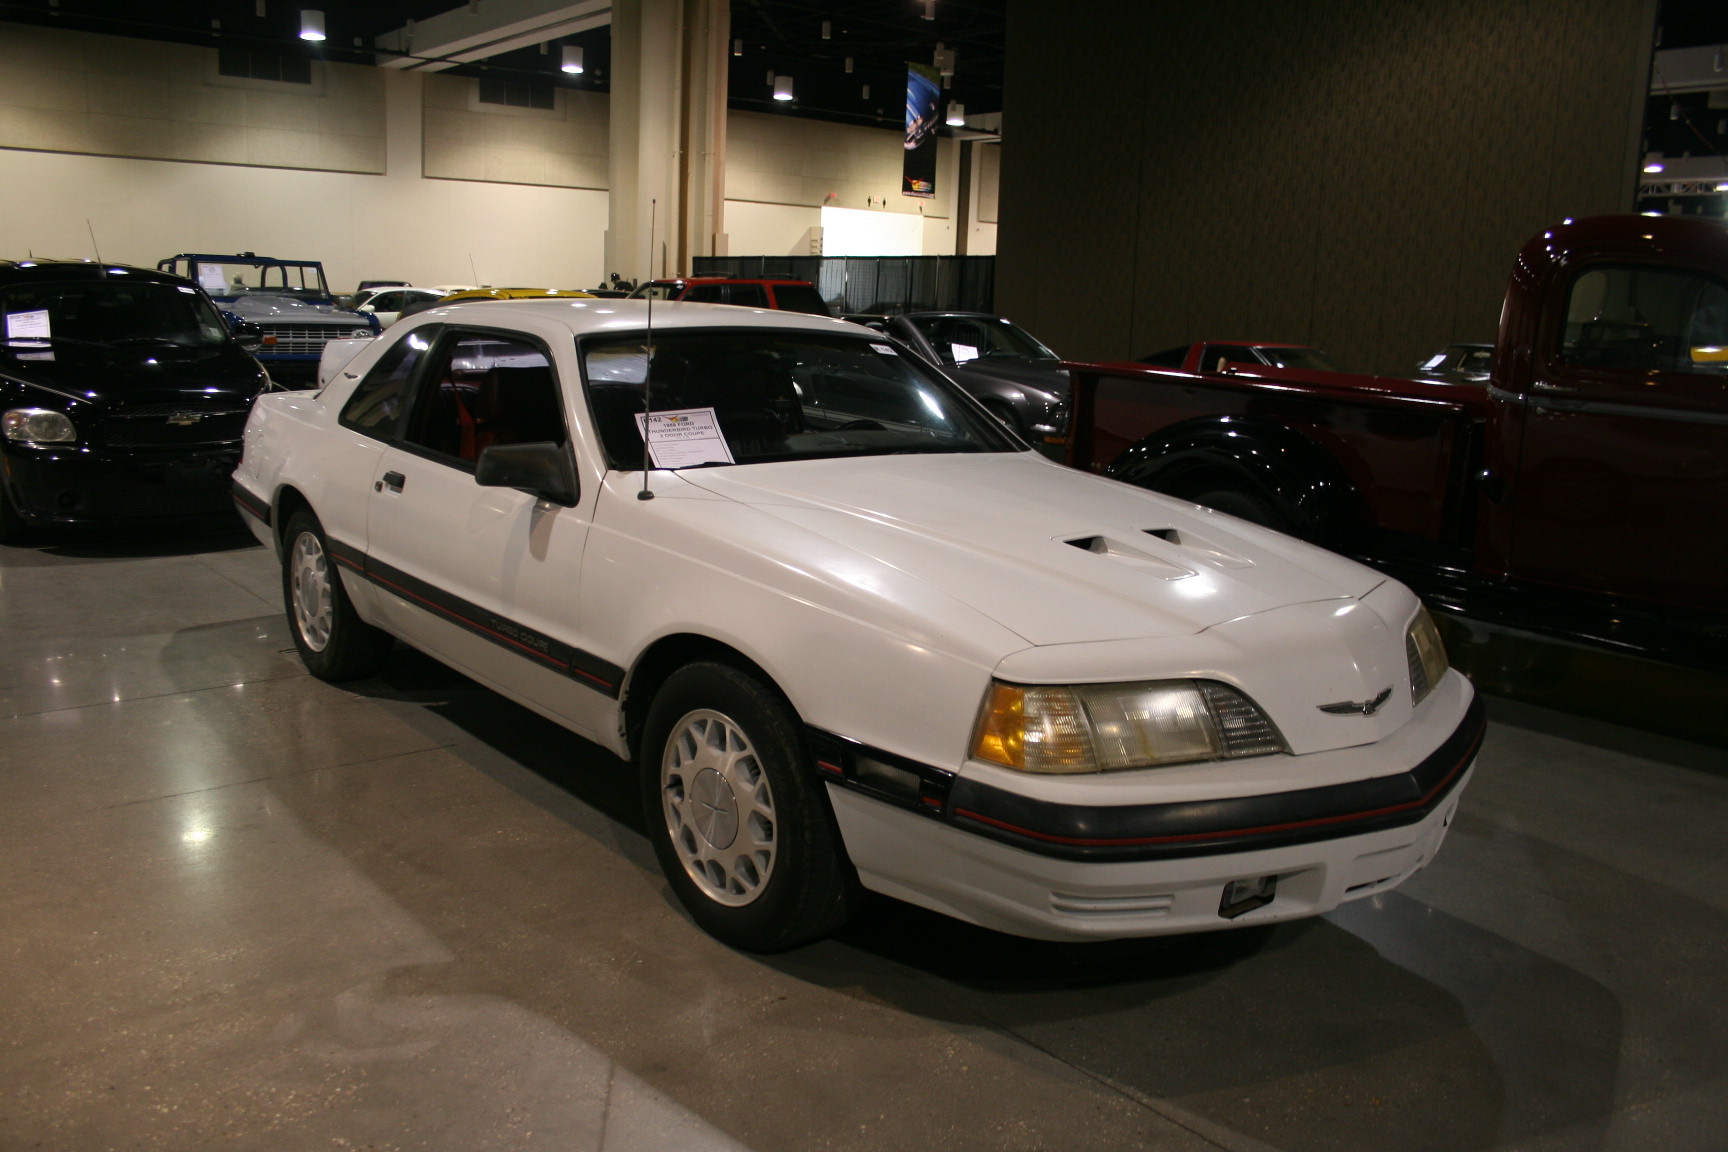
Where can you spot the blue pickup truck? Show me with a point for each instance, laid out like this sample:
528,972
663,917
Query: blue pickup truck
289,301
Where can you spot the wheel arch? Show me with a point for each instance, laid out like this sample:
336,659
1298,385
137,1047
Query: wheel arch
288,500
664,657
1285,467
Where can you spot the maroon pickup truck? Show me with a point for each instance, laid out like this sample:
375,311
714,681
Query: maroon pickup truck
1581,492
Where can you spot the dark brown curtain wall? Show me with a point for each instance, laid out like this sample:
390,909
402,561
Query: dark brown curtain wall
1356,174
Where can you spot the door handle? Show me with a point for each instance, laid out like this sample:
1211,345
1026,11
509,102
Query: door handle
392,481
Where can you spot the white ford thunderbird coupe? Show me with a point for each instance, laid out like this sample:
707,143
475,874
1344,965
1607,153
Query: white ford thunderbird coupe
854,633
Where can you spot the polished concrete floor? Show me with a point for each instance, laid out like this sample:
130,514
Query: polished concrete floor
240,908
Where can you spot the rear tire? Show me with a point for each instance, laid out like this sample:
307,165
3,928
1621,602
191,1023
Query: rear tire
333,642
739,823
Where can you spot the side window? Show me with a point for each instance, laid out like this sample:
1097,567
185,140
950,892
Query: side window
377,404
749,295
1646,319
706,294
482,389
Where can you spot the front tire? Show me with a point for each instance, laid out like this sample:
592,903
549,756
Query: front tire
333,642
741,827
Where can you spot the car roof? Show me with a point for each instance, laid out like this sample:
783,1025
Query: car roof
240,258
602,314
729,280
26,271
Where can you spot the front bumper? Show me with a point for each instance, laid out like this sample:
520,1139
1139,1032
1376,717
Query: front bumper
1082,872
83,485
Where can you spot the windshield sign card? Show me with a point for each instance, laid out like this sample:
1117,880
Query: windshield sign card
684,437
27,325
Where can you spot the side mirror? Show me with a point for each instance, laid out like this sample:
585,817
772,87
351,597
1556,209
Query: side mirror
247,334
541,468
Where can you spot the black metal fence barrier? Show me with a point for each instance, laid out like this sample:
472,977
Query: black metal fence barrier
875,283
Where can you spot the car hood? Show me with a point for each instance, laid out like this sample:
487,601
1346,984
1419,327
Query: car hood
1055,555
288,308
123,373
1047,376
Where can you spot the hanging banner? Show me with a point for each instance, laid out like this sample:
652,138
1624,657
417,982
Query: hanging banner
923,97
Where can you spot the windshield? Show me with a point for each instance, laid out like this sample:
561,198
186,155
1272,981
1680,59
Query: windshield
746,397
1311,358
958,339
111,311
238,277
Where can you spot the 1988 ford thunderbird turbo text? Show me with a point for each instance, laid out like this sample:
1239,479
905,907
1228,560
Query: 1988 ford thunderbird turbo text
854,632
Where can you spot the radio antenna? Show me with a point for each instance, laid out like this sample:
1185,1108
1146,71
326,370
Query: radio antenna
93,246
648,365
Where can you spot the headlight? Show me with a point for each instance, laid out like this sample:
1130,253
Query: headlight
1102,727
38,426
1426,654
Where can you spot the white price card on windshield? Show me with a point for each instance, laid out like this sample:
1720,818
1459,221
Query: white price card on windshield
28,325
210,279
684,437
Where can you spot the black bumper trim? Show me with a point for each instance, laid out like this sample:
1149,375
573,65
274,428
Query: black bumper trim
1214,827
256,507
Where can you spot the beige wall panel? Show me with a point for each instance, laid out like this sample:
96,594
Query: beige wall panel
360,226
466,140
770,229
782,160
117,96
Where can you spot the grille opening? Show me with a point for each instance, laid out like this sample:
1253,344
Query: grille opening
1088,544
1170,535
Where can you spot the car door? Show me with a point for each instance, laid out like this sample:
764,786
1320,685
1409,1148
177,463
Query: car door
484,577
1622,481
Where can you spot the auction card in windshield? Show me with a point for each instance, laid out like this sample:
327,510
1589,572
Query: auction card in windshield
684,437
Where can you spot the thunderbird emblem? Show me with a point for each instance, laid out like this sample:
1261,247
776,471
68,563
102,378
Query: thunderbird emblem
1358,707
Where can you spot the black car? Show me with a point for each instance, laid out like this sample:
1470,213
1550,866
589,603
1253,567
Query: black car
1459,364
122,396
997,361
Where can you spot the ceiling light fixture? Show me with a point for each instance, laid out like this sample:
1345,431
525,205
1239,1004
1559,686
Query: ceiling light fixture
827,30
782,87
572,59
929,9
311,24
737,47
848,64
956,114
1653,163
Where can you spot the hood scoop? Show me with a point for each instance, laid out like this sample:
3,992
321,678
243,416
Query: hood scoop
1132,556
1162,567
1222,557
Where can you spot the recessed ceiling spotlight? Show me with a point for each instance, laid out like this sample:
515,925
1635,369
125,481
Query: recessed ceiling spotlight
782,87
311,24
572,59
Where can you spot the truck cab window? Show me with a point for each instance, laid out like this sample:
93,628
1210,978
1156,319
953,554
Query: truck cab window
1646,320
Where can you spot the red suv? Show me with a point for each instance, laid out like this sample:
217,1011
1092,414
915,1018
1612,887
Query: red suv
786,295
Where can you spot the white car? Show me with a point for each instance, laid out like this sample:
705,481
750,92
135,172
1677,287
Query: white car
387,303
854,633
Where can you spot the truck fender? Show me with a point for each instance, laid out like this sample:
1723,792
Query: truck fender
1257,469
